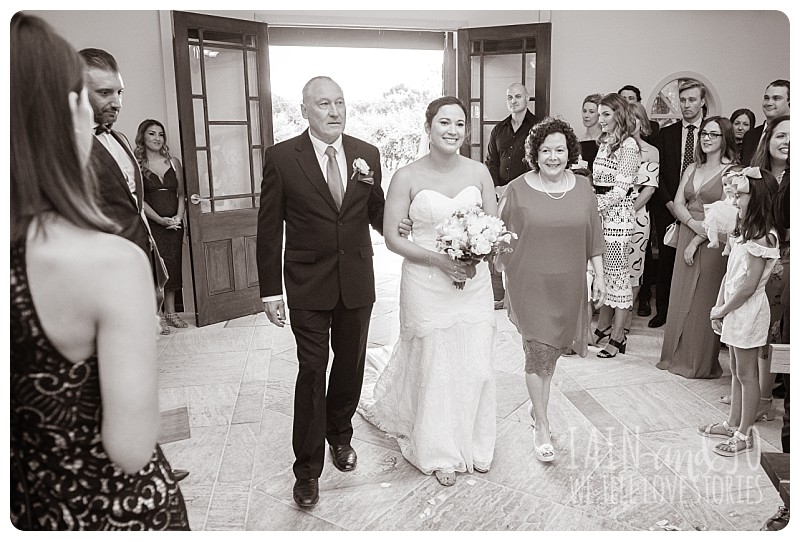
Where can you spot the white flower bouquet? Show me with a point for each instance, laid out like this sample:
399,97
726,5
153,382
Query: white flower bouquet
470,234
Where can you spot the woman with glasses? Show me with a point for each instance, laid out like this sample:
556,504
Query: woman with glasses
691,348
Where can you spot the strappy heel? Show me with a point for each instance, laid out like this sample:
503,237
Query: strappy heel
602,335
603,354
765,411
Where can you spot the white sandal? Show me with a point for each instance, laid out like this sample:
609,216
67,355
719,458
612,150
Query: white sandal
544,453
447,479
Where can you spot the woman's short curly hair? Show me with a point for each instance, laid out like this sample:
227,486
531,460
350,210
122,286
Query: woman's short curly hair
539,133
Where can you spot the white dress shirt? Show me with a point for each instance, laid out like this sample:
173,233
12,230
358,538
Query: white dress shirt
122,158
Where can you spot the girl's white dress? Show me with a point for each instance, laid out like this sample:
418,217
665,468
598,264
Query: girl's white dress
748,325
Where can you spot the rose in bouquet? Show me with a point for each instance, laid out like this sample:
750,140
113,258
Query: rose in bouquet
471,235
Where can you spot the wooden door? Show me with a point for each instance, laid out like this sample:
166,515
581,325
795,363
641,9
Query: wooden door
489,60
222,73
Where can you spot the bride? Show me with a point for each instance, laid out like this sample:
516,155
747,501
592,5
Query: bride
435,393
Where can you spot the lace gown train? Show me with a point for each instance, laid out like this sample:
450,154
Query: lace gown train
434,391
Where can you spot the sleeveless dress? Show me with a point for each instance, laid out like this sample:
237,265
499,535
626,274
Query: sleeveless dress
163,199
435,391
61,477
748,325
691,348
637,248
613,176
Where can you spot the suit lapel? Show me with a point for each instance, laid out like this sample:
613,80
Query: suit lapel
108,162
137,179
307,159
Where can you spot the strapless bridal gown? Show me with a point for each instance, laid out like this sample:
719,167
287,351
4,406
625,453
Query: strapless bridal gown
434,391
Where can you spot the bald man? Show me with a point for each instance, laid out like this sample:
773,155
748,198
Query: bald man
505,155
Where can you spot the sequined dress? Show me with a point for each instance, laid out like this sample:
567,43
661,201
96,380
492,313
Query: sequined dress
61,477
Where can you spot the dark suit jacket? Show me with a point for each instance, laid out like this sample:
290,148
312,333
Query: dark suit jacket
328,253
750,143
114,197
668,142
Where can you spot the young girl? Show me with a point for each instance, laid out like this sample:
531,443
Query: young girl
720,217
741,315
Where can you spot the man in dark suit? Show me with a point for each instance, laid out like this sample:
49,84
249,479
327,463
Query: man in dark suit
118,176
633,95
775,104
676,145
326,188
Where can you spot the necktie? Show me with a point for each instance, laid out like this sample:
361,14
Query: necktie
334,177
688,150
101,128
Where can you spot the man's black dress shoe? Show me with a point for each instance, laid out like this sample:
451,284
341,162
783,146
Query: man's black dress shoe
657,321
644,309
344,457
306,492
180,475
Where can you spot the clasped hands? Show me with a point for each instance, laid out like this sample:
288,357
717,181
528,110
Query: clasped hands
173,222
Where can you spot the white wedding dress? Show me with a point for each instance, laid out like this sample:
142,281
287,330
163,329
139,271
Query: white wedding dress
435,390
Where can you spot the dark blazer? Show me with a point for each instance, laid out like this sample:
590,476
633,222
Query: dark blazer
750,143
114,197
668,142
328,252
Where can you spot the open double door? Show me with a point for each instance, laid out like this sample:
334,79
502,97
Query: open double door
225,112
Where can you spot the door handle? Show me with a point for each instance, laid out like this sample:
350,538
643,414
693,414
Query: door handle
195,199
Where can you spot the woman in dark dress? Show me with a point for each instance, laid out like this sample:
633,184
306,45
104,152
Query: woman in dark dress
162,177
83,439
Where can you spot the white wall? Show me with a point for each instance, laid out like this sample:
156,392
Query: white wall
739,52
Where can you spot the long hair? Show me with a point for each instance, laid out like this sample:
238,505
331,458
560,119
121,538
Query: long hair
758,219
626,124
140,151
746,112
46,169
639,113
728,149
761,157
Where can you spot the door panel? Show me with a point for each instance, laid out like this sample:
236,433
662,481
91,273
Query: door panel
222,73
489,60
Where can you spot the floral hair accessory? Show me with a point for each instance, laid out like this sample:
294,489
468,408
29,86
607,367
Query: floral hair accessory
740,180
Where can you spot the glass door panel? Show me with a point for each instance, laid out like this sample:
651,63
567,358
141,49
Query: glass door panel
499,71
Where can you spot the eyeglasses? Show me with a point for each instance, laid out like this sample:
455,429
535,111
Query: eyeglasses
710,134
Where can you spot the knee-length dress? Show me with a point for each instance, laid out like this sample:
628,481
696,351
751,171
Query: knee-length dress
748,325
637,248
613,176
163,199
546,272
61,476
691,348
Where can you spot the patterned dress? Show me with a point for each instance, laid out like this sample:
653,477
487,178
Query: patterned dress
61,477
614,175
648,176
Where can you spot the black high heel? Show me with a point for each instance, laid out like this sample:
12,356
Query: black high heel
603,354
602,335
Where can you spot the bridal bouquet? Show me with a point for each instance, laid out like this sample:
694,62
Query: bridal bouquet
470,234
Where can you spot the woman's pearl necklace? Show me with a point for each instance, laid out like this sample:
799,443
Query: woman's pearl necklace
563,181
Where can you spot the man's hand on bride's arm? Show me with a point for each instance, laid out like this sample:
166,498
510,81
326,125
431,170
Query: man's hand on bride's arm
404,227
276,312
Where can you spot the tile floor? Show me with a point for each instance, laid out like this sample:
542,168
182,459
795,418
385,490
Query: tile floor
628,456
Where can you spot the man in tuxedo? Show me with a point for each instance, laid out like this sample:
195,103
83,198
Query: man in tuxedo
676,145
505,156
324,188
120,192
775,104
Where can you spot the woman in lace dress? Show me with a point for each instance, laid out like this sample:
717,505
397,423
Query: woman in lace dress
436,392
83,438
614,174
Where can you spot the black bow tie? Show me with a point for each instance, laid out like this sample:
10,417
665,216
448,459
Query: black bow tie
101,128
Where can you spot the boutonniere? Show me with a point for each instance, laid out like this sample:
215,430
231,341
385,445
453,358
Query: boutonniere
362,172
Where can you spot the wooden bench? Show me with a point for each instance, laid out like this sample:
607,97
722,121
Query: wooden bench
776,466
174,425
779,358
